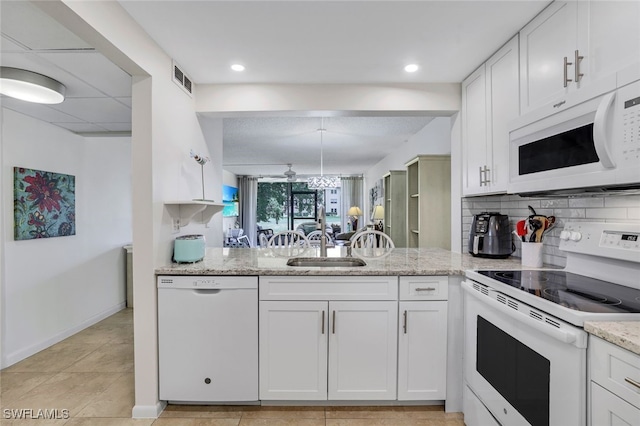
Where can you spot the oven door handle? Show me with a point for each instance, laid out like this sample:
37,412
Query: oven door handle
561,335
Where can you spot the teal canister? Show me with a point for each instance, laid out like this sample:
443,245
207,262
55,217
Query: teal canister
189,248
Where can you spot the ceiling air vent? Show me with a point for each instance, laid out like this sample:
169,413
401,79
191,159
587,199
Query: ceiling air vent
181,79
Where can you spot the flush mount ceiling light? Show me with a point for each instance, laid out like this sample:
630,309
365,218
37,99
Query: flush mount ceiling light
237,67
411,68
30,86
322,181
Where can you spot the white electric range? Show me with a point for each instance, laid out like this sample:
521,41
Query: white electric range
525,349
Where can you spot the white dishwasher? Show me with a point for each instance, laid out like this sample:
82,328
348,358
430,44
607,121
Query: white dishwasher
208,338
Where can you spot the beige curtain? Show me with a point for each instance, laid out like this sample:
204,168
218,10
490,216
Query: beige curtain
352,195
248,194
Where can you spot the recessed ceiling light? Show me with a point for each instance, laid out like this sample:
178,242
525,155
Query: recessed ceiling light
30,86
237,67
411,68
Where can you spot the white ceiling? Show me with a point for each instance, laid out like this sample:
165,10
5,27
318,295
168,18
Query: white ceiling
278,42
98,93
331,41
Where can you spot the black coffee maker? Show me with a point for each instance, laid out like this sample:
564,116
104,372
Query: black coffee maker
490,236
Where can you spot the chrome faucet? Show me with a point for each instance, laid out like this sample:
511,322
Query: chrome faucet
322,226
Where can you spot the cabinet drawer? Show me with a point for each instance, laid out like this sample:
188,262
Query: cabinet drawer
328,288
610,365
609,410
424,288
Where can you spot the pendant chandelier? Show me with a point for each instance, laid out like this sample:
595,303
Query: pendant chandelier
322,181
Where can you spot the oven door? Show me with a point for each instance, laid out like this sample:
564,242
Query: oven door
523,369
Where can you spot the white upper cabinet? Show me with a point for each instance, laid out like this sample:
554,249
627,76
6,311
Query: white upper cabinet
571,45
608,37
474,131
489,101
544,44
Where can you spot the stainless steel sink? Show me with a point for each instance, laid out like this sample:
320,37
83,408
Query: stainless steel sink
326,262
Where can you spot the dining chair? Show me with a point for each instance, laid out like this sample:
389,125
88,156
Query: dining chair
314,237
371,238
263,240
243,241
289,239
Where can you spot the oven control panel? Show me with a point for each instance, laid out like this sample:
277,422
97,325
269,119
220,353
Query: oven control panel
614,240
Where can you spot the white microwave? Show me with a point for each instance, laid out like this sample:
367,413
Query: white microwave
591,145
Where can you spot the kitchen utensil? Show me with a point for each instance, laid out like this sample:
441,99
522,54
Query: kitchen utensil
532,210
534,225
543,225
521,229
551,222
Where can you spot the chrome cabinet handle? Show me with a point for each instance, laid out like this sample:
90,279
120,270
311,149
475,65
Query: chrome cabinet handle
481,180
632,382
425,289
404,322
578,74
486,173
566,71
322,322
333,323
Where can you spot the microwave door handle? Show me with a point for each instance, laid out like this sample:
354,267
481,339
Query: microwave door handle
600,130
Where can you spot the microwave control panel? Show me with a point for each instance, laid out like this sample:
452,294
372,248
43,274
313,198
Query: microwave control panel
630,108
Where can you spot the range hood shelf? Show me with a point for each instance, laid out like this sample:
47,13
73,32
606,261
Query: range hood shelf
184,211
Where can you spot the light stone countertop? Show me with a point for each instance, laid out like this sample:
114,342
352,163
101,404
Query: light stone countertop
400,261
625,334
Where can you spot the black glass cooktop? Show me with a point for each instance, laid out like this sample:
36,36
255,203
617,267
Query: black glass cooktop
577,292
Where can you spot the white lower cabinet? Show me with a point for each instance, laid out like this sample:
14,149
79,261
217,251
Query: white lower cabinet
293,350
359,338
422,338
357,344
608,409
362,350
328,349
615,384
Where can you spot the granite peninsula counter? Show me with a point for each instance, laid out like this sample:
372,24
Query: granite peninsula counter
400,261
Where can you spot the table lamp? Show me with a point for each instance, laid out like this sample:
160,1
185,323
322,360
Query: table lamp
378,215
354,212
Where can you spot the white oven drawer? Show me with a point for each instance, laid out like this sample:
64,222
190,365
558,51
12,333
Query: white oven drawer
424,288
615,369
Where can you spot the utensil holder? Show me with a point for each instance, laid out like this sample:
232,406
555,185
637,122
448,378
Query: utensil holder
532,255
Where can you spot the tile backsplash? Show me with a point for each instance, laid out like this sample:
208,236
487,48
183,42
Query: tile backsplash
600,208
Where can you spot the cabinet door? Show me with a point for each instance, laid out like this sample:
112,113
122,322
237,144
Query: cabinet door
422,350
608,38
293,350
363,350
474,132
608,409
503,105
544,42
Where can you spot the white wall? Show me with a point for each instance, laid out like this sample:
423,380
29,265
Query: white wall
433,139
165,127
56,286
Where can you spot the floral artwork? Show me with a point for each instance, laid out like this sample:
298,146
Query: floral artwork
44,204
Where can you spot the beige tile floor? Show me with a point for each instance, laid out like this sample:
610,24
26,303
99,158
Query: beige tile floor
90,374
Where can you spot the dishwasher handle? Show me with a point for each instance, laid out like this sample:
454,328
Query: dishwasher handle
206,290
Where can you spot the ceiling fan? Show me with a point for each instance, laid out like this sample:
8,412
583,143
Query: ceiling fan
290,174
